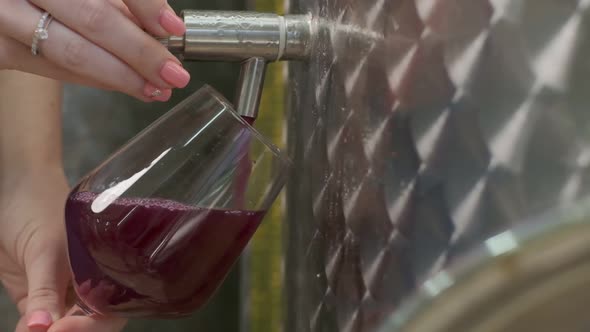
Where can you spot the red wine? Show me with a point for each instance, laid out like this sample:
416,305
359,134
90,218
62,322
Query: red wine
249,120
152,257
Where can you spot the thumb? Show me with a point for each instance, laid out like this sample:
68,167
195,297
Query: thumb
47,277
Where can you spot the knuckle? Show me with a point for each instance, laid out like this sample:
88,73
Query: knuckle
127,81
93,14
22,242
44,294
144,48
146,56
75,53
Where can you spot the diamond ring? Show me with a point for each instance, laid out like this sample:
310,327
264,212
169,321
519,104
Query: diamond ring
40,32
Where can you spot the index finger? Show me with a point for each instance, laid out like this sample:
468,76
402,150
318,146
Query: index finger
104,25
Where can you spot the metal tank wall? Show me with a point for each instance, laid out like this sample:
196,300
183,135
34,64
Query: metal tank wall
418,129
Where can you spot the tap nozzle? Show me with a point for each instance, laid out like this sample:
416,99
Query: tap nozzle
248,37
238,36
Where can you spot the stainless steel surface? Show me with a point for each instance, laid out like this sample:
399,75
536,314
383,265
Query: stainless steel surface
250,84
528,279
231,35
175,44
418,129
299,37
240,35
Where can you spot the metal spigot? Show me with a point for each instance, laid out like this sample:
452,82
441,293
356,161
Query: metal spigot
248,37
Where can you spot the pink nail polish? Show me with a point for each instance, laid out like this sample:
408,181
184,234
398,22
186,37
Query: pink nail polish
154,93
164,95
174,74
171,22
39,320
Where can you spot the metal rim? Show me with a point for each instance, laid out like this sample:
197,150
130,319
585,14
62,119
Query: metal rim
509,276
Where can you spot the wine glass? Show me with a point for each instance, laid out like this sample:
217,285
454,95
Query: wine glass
154,230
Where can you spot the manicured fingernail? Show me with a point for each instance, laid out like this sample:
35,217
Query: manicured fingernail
39,320
171,22
154,93
174,74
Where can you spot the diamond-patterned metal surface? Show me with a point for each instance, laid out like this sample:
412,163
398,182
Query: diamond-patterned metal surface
418,129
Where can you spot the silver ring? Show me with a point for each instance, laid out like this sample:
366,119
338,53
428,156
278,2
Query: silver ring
156,93
41,32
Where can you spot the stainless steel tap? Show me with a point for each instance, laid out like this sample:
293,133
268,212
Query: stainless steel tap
248,37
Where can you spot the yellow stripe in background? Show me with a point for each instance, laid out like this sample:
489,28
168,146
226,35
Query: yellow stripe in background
266,253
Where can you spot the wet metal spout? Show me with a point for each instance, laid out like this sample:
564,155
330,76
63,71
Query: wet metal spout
238,36
248,37
250,87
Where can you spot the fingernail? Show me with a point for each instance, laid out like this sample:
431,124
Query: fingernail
154,93
39,320
174,74
171,22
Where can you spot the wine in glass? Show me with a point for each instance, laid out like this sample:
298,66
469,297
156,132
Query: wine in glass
154,230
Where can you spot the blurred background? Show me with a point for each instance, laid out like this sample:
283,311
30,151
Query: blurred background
96,123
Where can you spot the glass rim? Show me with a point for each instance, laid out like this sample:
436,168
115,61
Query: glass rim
259,136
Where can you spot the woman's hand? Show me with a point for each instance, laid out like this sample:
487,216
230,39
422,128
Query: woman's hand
99,43
33,257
